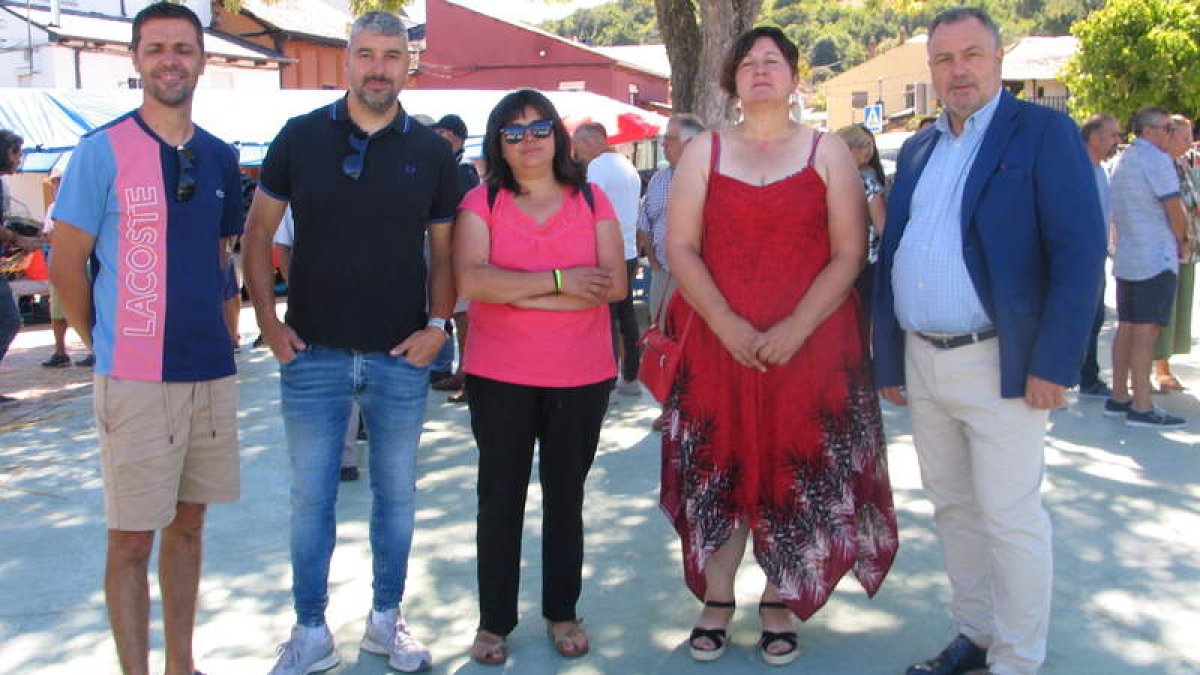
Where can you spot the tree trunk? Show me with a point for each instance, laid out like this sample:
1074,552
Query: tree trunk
721,22
698,35
681,33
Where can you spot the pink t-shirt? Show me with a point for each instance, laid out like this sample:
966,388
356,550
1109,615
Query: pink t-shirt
537,347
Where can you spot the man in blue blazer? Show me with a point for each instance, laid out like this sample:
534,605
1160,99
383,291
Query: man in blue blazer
989,276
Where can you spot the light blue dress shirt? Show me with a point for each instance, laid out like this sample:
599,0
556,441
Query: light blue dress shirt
932,288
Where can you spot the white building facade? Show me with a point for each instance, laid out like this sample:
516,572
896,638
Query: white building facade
85,45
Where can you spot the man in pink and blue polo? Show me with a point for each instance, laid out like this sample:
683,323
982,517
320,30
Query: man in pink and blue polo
149,199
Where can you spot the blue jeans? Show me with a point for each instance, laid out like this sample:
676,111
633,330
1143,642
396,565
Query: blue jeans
318,387
10,317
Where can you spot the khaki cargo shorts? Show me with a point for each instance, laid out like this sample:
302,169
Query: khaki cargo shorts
163,443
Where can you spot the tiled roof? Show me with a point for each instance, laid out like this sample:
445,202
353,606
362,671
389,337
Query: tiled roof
309,17
1038,58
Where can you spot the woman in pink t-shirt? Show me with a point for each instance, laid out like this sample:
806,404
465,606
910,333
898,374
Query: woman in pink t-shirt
538,252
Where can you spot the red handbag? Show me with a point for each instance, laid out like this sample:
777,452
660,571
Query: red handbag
660,356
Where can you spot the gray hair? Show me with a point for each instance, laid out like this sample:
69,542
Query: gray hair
689,125
1094,124
960,14
384,23
595,130
1150,116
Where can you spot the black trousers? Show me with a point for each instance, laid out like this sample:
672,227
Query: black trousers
865,285
507,419
625,328
1089,372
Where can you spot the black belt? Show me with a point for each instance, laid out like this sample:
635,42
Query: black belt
953,341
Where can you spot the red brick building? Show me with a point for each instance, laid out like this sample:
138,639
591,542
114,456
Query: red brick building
466,49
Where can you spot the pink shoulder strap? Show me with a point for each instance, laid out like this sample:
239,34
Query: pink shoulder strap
813,153
714,160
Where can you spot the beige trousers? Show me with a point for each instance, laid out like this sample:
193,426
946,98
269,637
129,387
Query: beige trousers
982,463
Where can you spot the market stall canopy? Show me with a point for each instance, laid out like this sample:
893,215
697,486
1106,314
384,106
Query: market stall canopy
52,120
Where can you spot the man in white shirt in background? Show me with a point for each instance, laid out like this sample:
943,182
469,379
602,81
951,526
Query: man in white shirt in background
1152,234
619,180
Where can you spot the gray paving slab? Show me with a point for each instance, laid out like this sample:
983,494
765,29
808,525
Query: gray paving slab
1125,503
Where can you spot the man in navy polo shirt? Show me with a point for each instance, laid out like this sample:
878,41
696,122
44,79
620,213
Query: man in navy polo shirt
150,196
365,183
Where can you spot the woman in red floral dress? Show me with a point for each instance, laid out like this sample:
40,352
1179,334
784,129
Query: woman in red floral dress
774,431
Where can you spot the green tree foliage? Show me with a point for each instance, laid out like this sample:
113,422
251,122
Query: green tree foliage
625,22
835,34
831,32
358,7
1135,53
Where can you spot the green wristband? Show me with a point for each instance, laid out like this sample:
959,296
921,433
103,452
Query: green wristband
557,282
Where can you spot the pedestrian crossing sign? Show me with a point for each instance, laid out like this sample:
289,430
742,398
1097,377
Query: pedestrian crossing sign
873,118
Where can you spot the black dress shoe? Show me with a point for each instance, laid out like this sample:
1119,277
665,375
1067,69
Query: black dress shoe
959,657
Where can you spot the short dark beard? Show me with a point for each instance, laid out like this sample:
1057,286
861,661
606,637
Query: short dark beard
184,99
152,89
373,106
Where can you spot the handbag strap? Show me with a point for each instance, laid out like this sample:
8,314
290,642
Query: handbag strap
662,305
687,326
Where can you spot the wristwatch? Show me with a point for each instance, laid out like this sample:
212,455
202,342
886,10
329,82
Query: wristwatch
439,323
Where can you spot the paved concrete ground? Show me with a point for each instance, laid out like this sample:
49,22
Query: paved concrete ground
1126,506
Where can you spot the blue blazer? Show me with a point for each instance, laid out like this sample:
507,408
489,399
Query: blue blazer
1033,241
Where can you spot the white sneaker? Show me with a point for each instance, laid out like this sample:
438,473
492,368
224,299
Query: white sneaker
629,388
309,650
387,634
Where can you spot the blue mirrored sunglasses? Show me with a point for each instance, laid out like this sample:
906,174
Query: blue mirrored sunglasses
515,133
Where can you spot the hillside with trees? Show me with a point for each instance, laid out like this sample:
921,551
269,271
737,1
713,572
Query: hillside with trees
836,35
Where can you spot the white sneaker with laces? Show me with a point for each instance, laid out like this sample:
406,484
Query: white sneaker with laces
308,650
387,634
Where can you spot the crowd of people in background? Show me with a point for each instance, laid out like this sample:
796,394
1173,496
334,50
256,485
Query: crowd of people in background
801,283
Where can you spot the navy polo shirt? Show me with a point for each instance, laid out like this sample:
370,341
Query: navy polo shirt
358,274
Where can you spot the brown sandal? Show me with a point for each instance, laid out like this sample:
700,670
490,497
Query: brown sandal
489,649
564,635
1170,383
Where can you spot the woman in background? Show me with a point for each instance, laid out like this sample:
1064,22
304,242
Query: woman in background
1176,337
10,313
861,142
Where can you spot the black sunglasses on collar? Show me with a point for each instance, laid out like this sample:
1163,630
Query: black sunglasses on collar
353,165
185,188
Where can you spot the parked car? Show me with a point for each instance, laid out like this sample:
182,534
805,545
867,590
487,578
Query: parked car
889,148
